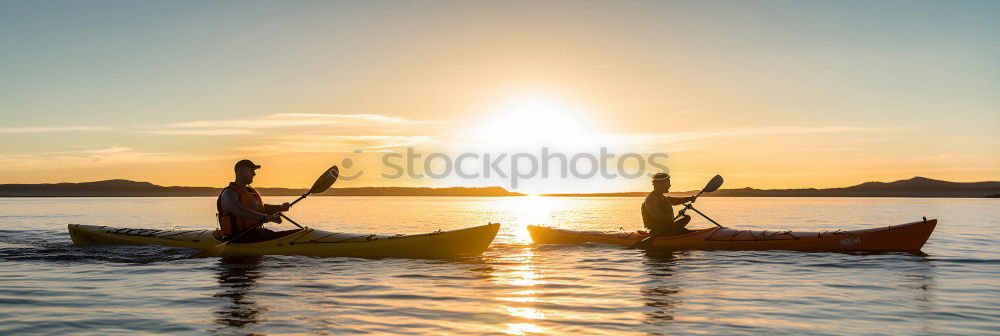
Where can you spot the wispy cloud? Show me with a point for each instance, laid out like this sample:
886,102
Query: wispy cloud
110,155
22,130
202,132
292,120
301,123
696,140
342,143
667,138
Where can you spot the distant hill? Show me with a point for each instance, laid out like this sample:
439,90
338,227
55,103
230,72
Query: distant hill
914,187
126,188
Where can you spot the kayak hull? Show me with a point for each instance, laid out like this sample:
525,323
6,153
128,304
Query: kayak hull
906,237
306,242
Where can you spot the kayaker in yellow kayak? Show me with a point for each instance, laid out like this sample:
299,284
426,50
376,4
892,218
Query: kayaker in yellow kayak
240,207
658,210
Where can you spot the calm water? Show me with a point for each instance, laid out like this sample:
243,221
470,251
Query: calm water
49,287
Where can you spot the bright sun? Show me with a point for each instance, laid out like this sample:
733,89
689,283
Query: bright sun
529,124
533,121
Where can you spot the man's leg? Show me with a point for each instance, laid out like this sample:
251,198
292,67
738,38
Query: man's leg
678,227
682,223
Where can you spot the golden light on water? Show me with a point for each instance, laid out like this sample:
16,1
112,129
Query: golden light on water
522,296
530,313
522,274
522,328
525,276
531,210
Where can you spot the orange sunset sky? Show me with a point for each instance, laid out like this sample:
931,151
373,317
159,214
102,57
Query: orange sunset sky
769,94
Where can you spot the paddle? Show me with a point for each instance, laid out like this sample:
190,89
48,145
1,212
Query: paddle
711,186
322,184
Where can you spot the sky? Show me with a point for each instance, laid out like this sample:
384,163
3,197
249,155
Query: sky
769,94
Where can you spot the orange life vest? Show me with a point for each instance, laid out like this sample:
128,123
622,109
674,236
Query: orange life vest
249,198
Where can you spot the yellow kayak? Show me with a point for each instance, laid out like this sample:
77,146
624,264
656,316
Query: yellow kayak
305,242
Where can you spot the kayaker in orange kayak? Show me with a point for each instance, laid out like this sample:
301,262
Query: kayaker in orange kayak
240,207
658,210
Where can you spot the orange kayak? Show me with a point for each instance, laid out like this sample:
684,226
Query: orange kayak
906,237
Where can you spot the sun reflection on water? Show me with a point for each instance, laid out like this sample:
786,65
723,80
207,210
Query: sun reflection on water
522,274
523,296
525,275
521,328
530,313
532,210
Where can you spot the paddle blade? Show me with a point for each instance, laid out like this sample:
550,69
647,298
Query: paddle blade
215,251
325,180
641,243
713,184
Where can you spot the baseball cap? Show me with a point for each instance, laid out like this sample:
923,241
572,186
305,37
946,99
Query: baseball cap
246,163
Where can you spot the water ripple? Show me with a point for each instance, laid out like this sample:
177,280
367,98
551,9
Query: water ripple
49,287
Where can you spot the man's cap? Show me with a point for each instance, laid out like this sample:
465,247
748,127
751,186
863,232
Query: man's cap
246,163
661,177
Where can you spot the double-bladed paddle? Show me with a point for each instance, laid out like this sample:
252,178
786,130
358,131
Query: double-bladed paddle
322,184
711,186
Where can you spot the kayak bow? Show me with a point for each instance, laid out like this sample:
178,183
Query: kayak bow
305,242
906,237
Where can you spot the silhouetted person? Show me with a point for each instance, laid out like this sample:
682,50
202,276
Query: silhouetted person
658,210
240,207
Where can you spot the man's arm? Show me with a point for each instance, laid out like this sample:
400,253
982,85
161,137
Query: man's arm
231,204
679,200
271,209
